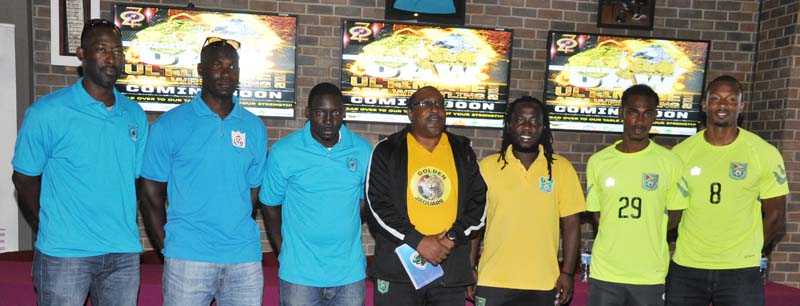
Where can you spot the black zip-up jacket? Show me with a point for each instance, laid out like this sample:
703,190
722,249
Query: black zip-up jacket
387,183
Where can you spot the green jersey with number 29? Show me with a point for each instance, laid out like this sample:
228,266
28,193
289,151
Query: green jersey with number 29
632,192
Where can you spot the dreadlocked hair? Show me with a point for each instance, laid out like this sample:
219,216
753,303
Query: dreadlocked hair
545,140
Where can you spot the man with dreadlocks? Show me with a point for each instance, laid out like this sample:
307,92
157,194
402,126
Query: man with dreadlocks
530,190
630,186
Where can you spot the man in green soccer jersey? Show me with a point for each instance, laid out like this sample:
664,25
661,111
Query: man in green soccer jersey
631,186
735,176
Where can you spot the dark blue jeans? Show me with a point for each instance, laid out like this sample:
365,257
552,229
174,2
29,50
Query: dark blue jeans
110,279
699,287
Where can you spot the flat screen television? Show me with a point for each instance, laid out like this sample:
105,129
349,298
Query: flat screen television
162,49
383,63
587,73
431,11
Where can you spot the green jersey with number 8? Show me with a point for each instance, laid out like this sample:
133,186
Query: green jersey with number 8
722,227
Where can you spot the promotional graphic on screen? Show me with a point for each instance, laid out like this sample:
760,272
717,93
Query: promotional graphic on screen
587,73
384,63
162,49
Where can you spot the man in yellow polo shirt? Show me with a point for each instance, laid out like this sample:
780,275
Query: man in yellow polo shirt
530,189
630,186
735,177
424,189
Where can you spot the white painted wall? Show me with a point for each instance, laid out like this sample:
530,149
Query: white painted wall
9,230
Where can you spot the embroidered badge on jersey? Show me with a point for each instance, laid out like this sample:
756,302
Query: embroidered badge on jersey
133,132
430,186
649,181
352,164
238,139
383,286
738,171
545,184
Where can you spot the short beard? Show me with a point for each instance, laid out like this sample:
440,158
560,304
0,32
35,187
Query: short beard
532,149
721,124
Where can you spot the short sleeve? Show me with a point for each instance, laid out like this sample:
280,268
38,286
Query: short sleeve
678,192
157,153
366,156
33,146
568,186
772,182
255,173
144,133
592,194
273,185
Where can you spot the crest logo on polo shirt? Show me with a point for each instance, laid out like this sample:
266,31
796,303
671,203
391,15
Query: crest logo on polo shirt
738,171
480,301
545,184
352,164
238,139
430,186
133,132
649,181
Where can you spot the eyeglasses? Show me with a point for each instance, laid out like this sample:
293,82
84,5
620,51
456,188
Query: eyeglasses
429,104
212,40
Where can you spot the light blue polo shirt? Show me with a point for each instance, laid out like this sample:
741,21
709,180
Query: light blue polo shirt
320,191
209,165
89,158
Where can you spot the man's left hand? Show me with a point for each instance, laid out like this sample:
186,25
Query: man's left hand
564,288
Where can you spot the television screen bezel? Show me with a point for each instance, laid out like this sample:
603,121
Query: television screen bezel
457,18
550,35
508,72
191,7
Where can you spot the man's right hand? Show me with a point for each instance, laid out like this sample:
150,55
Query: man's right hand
431,250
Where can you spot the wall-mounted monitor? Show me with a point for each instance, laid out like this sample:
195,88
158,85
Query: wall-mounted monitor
587,73
384,63
162,49
432,11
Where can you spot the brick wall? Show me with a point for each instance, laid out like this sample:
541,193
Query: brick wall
732,26
773,114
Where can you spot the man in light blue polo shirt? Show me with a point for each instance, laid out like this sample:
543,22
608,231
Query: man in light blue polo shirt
76,161
313,192
207,156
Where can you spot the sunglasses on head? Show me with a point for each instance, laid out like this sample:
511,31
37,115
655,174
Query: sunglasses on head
213,40
99,21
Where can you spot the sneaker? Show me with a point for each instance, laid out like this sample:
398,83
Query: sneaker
638,17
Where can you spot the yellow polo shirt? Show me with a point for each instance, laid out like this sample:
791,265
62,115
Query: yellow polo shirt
524,208
432,195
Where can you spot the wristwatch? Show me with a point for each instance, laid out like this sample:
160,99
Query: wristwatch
451,235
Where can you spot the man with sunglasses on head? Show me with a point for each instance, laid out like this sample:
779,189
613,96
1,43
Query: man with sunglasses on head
424,190
313,192
76,162
207,158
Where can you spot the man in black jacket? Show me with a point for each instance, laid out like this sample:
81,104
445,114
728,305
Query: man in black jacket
424,189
